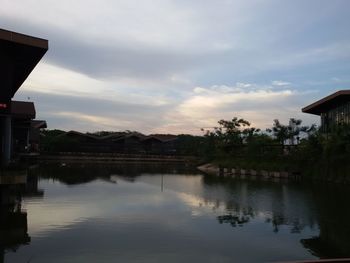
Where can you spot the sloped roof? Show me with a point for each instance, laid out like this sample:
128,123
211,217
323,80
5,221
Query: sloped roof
38,124
112,136
79,134
22,109
19,55
327,103
162,137
137,135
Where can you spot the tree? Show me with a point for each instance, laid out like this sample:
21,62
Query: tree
231,134
279,131
291,131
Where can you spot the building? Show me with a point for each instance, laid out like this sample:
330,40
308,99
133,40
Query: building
36,127
19,55
160,144
334,109
118,142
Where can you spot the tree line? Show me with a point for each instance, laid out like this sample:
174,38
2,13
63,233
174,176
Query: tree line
283,147
235,143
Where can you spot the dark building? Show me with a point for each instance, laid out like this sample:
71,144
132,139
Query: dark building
19,55
118,142
334,109
36,126
129,143
74,141
22,114
160,144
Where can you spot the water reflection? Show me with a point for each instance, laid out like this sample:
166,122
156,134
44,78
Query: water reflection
71,174
315,206
13,220
147,213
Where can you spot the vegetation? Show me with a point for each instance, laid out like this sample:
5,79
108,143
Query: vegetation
291,147
52,140
235,143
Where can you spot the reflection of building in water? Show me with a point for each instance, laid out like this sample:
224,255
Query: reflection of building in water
13,221
333,221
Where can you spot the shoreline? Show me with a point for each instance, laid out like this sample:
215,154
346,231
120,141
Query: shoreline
215,170
107,158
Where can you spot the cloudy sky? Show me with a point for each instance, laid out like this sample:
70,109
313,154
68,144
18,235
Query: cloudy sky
165,66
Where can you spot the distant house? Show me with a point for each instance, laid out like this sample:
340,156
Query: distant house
160,144
128,143
334,109
74,141
115,142
119,142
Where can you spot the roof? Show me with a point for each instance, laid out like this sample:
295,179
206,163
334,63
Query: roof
161,137
112,136
38,124
22,109
129,135
79,134
327,103
19,55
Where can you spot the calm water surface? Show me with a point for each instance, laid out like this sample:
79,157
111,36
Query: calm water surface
146,213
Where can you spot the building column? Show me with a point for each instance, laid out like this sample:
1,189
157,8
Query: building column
6,140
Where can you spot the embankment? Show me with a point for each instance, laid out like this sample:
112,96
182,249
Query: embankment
111,158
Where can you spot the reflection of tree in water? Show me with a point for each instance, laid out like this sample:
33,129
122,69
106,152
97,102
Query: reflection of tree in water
13,221
78,173
243,216
323,207
238,218
279,220
242,205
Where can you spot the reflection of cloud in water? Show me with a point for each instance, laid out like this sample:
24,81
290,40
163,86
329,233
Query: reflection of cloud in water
131,196
64,207
83,202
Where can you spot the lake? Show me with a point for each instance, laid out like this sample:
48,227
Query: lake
169,213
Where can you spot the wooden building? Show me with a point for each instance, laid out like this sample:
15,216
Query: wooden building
334,110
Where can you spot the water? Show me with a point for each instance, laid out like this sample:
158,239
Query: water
147,213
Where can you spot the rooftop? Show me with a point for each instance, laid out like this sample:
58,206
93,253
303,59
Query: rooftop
19,55
327,103
22,109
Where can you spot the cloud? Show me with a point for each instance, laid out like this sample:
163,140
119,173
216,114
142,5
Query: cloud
93,114
258,104
202,107
280,83
176,66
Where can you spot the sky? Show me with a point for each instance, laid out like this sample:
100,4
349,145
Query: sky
165,66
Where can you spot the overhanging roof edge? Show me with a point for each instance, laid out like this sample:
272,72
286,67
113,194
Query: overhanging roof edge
312,107
23,39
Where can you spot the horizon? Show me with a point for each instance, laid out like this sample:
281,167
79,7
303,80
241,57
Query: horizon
178,66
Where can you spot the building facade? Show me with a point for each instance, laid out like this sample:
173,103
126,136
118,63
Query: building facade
334,110
19,55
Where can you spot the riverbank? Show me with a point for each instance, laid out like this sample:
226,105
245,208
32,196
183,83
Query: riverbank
215,170
245,173
113,157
